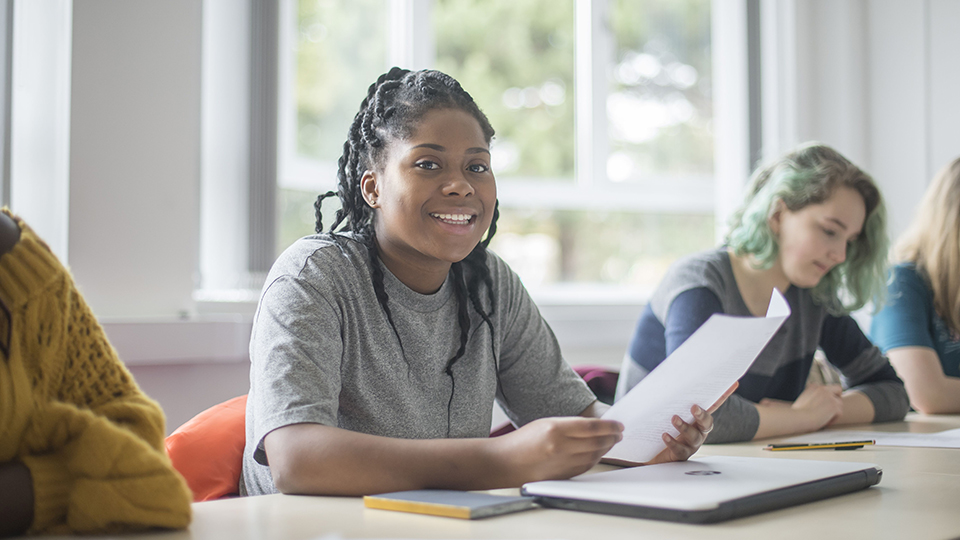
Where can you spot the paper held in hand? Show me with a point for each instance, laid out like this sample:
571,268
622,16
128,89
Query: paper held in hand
698,372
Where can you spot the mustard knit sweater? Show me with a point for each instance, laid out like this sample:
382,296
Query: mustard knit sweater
72,413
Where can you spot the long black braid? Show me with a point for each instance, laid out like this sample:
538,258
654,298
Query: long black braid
391,110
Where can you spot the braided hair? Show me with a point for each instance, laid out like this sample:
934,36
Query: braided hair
392,110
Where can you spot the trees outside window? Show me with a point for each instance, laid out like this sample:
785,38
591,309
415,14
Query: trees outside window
648,200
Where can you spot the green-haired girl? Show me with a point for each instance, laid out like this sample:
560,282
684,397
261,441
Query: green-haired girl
813,227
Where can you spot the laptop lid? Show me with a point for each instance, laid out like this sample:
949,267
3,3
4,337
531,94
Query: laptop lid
705,490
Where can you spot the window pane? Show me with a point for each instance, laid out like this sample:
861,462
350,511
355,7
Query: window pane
340,51
660,108
659,116
550,247
297,214
516,60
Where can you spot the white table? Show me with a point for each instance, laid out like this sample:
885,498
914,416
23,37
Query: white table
918,498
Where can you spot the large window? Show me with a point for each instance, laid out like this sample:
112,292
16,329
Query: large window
659,106
603,113
348,39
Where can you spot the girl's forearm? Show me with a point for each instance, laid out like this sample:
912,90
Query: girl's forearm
778,420
317,459
931,391
936,396
857,409
946,397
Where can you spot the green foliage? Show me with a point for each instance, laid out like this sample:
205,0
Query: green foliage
625,248
492,46
672,35
338,56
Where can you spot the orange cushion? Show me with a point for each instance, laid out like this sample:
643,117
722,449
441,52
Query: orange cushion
208,450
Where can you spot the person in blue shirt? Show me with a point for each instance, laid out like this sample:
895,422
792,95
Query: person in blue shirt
813,227
919,327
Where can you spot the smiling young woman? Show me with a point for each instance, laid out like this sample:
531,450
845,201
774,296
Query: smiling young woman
379,346
435,201
812,226
81,446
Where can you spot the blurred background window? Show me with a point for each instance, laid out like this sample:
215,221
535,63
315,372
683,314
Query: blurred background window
336,49
659,104
648,199
517,61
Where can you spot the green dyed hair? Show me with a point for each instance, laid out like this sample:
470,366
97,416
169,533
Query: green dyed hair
810,175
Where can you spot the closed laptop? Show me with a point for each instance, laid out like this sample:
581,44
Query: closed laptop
705,490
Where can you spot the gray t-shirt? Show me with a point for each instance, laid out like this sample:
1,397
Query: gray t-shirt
322,351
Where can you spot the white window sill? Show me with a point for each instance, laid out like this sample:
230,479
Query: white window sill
581,317
204,340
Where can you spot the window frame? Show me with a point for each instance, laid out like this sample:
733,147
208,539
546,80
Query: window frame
591,188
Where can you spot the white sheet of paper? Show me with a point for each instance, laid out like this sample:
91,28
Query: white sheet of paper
698,372
943,439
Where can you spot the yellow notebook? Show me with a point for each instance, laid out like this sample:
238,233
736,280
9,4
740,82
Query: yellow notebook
449,503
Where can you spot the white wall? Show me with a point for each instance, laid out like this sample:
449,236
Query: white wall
134,194
135,155
899,121
943,82
877,79
185,389
832,75
185,365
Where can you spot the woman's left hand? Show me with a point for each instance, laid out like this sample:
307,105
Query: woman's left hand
691,436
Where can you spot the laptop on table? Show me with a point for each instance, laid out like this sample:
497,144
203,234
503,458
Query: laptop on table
705,490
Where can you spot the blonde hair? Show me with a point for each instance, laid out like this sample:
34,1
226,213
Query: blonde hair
932,242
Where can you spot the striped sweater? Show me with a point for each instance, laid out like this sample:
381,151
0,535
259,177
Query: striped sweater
698,286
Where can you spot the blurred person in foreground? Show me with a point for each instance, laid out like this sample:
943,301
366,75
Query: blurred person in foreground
81,447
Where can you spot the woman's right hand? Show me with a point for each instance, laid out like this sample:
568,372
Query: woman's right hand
556,448
820,403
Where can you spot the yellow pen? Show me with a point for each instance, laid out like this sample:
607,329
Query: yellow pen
848,445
